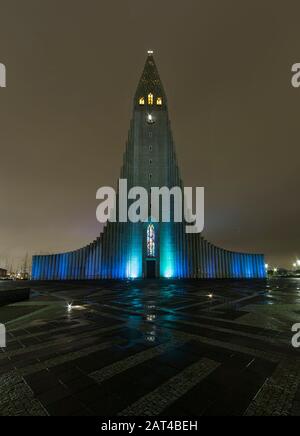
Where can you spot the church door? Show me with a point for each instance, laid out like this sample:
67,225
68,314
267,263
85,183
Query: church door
151,269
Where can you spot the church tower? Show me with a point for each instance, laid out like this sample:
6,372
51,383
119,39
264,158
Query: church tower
150,161
149,249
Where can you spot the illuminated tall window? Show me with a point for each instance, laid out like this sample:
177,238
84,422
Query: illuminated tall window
151,241
159,101
150,99
142,101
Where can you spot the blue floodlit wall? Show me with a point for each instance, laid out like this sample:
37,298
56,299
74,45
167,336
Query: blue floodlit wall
110,257
134,255
167,251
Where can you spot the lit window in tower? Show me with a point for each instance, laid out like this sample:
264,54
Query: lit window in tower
159,101
142,101
150,99
151,241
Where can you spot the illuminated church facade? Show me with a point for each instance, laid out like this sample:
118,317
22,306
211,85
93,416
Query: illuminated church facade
149,249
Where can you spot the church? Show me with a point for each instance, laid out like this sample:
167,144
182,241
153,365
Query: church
150,249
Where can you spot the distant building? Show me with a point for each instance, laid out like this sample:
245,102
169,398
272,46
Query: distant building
3,272
149,249
23,276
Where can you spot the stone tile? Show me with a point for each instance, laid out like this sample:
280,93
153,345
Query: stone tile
42,381
79,384
67,406
59,392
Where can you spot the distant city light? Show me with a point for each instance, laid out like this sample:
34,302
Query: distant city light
210,295
266,266
69,307
275,270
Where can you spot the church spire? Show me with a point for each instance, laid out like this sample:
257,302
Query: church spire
150,90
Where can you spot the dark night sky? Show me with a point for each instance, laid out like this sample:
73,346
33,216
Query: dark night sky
73,67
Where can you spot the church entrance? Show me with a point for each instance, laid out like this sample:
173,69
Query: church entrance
151,269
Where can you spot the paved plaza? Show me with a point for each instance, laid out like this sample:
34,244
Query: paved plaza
185,348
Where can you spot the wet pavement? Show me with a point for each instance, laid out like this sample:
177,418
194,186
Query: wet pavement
186,348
